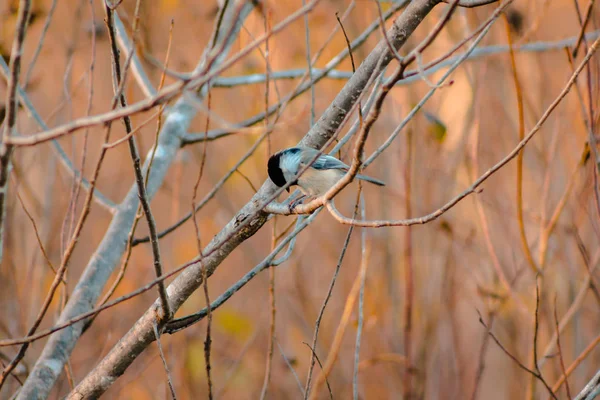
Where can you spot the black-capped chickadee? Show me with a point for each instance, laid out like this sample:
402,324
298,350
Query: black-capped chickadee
317,179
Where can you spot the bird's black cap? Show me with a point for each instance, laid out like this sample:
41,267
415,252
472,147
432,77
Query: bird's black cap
275,172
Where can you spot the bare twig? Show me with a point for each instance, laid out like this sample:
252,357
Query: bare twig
536,321
321,366
11,113
481,359
560,352
361,298
411,76
521,114
272,339
291,367
339,334
164,360
41,41
472,3
136,66
584,22
409,277
135,155
573,308
516,360
325,301
575,364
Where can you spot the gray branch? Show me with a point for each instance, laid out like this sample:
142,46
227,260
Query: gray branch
251,217
591,390
95,276
136,65
480,52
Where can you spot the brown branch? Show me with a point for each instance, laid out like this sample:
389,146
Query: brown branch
339,334
560,352
314,355
515,359
11,113
535,338
325,301
576,363
135,154
520,155
164,360
472,3
584,22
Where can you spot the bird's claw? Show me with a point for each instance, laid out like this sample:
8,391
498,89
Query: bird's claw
294,203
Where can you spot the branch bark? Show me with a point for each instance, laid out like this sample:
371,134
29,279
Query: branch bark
60,345
250,216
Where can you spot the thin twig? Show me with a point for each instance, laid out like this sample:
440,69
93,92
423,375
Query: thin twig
291,367
521,114
361,298
409,276
576,363
481,359
535,338
316,357
584,23
560,352
11,114
164,360
325,301
135,155
516,360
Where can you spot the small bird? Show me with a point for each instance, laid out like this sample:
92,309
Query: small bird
317,179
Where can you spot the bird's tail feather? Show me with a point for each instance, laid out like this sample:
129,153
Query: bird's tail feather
369,179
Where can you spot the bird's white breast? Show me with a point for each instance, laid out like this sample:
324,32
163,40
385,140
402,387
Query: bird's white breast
315,182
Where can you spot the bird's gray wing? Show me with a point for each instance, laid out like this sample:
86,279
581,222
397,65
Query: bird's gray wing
328,162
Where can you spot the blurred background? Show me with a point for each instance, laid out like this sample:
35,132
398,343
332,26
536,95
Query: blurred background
444,274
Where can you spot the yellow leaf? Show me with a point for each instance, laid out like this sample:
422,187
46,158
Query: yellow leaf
233,323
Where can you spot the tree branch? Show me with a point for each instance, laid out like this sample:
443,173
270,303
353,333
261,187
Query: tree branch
472,3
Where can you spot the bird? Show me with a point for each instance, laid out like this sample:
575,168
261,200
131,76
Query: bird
284,166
